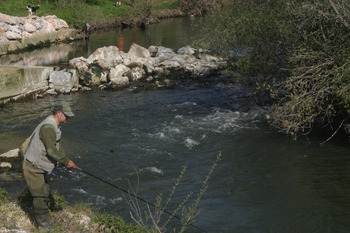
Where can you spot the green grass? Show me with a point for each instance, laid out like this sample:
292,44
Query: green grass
79,12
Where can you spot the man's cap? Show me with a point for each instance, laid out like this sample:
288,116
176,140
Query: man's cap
65,108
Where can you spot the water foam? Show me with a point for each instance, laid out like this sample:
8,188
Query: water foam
153,170
82,191
189,143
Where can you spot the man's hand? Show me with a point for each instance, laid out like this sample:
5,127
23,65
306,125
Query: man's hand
71,164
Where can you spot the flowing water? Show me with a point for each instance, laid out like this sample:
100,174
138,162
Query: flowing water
265,182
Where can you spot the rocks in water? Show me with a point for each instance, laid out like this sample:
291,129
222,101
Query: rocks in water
10,156
63,81
5,166
6,159
108,67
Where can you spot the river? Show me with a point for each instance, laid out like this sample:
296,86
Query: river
265,182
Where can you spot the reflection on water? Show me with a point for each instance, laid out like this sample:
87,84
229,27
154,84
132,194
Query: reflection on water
172,33
43,57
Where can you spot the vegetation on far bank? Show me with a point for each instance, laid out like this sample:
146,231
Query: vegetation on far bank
296,53
104,13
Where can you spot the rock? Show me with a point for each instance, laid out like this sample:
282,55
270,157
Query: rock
5,166
153,50
10,156
136,74
8,19
149,79
133,61
80,63
201,71
170,64
13,35
186,50
138,51
29,27
119,82
165,53
208,58
162,50
98,74
148,69
110,55
118,71
63,81
51,92
169,83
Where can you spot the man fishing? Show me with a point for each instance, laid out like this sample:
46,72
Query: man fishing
41,154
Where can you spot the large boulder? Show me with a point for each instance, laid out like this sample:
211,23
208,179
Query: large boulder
107,56
119,82
64,81
139,51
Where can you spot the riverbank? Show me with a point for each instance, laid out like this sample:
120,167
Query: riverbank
16,217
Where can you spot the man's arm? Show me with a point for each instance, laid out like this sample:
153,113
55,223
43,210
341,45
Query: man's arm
48,137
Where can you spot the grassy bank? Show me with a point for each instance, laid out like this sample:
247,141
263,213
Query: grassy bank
94,12
15,217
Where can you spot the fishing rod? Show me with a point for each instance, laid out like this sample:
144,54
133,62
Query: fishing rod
137,197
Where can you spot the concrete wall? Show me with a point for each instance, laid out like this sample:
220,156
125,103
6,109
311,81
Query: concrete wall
18,81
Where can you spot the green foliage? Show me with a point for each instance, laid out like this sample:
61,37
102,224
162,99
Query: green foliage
317,92
298,49
112,224
3,195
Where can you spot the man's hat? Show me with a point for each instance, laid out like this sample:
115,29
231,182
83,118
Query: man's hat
65,108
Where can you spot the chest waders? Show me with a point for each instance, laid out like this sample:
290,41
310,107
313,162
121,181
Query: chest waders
37,178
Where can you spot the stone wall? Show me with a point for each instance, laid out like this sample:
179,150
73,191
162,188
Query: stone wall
20,33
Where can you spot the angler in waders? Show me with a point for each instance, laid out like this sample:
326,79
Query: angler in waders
41,154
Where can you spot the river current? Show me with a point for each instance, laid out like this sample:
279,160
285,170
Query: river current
265,182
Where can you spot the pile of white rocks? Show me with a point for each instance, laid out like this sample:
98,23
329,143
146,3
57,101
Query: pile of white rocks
21,32
152,68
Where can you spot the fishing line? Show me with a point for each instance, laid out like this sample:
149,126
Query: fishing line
139,198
